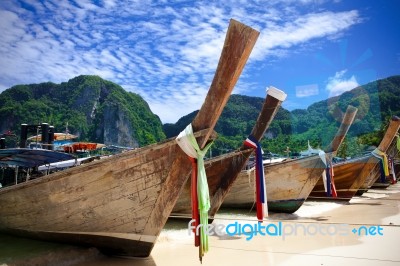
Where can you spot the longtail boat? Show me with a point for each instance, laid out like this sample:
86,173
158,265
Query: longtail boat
377,177
289,182
350,175
120,204
222,170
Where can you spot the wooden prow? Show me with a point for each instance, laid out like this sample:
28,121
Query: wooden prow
347,121
270,108
239,42
222,185
391,131
390,134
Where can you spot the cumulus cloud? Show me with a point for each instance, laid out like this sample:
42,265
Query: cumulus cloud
339,84
167,53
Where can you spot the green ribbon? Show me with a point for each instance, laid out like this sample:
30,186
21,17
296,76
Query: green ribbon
202,184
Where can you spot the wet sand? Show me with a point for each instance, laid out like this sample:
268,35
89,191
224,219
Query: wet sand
324,237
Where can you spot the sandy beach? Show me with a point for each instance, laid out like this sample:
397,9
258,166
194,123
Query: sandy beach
319,233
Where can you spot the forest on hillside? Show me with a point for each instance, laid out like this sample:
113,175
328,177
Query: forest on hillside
377,102
100,111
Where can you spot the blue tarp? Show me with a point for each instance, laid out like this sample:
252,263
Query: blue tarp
31,157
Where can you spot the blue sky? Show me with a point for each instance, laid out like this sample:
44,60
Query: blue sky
167,51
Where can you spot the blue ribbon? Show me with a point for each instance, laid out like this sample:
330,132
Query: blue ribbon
259,166
328,181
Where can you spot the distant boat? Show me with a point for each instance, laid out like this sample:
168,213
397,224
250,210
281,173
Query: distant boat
310,151
350,175
120,204
377,178
289,182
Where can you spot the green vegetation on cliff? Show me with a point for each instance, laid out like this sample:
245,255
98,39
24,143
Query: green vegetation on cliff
377,102
95,109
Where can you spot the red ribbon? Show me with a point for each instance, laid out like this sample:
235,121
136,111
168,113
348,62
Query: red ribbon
195,203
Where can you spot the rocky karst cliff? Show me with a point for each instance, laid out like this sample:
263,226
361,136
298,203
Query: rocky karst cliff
94,109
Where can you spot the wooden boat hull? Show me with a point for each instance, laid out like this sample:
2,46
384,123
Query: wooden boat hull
371,178
345,174
128,245
351,175
374,176
288,185
381,185
106,204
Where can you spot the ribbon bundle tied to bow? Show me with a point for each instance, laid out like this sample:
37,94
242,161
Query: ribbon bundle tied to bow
331,188
261,191
384,164
200,193
327,175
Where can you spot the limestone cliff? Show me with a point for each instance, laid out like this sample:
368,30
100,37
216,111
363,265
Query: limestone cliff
94,109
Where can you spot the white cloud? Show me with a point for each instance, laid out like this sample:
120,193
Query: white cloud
339,84
302,30
307,90
167,53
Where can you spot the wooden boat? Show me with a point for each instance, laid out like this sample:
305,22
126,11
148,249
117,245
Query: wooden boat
290,182
374,178
351,175
222,170
120,204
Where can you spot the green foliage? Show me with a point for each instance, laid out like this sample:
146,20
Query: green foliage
83,102
376,102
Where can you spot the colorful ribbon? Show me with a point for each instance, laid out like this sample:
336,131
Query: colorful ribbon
331,188
384,164
327,175
188,144
195,202
261,191
391,169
